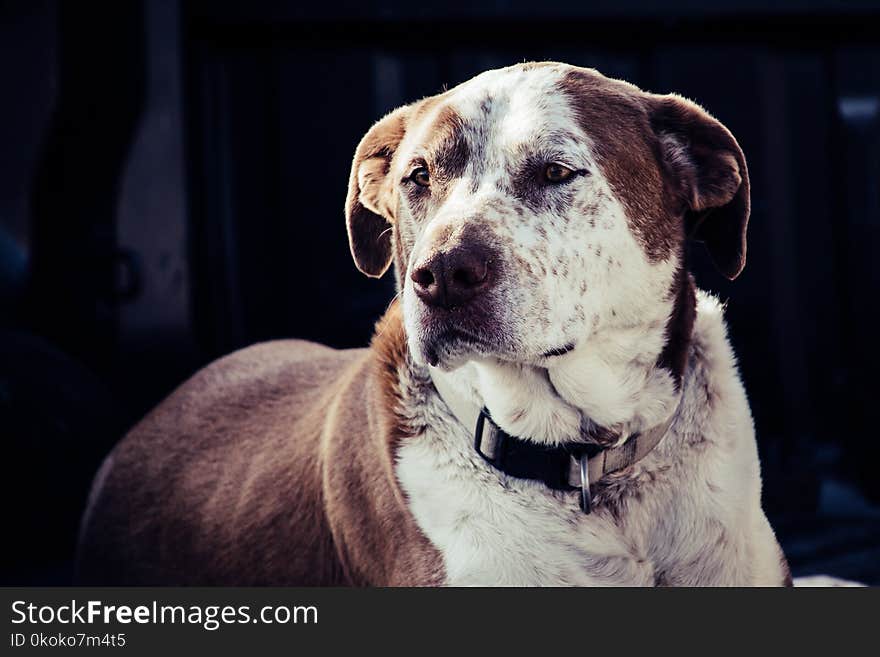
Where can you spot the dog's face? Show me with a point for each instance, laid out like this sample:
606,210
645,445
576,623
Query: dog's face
536,206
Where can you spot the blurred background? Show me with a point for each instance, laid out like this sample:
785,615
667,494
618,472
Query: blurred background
172,177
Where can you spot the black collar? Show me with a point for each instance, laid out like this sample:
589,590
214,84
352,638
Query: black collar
565,467
526,459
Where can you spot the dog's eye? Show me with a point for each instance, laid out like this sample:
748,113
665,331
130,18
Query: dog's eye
557,173
420,176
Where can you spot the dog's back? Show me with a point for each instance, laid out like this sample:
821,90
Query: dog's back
192,494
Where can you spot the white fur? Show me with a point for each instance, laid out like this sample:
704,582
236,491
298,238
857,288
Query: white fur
496,530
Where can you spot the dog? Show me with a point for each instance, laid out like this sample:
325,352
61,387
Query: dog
549,400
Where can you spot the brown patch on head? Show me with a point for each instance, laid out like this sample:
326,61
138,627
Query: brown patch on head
448,149
675,168
444,154
613,115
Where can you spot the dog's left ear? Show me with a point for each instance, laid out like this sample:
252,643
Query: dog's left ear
708,177
368,206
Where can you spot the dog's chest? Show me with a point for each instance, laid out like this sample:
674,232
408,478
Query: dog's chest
495,531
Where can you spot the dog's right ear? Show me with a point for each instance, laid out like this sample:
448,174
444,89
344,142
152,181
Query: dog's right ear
369,207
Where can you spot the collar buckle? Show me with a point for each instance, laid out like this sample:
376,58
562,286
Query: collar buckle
496,455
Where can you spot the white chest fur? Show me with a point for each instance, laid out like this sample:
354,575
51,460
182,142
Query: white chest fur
493,531
697,519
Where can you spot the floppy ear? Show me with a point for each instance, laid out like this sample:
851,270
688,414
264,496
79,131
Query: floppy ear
368,206
708,176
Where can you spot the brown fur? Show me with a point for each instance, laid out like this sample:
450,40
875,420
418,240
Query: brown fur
613,114
675,168
680,326
273,466
448,148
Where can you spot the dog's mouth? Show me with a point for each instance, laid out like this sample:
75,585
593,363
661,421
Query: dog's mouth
448,338
559,351
451,343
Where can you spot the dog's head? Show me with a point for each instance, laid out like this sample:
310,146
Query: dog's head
534,206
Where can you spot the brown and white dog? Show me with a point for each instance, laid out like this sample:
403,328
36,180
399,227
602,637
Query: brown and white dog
536,217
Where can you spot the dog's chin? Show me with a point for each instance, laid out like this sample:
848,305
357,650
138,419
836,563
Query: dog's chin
449,349
449,346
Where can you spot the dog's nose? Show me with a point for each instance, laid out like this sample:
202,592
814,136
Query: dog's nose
449,280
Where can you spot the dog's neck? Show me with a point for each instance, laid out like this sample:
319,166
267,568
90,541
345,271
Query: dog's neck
622,381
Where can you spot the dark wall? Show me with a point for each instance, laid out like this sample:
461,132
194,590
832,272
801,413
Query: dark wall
173,176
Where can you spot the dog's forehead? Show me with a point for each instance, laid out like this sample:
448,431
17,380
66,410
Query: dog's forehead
513,106
537,108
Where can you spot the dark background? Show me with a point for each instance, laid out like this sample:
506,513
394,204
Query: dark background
172,176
